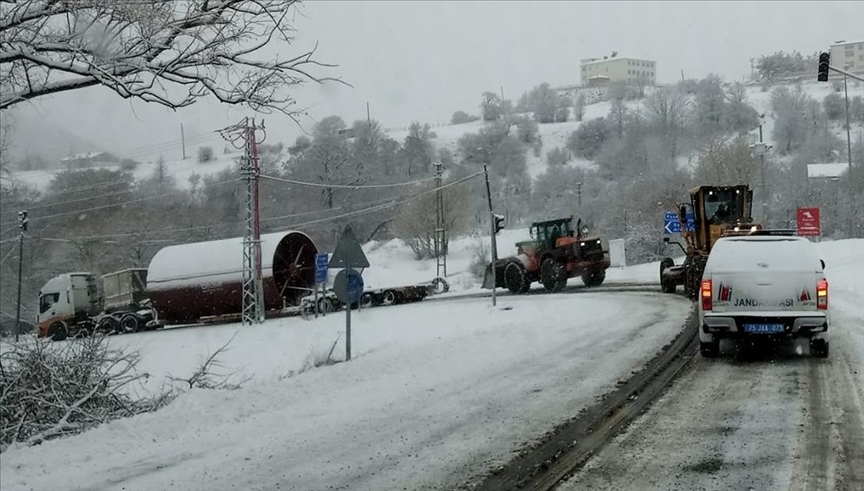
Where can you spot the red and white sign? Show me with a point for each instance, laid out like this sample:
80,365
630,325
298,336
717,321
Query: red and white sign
808,222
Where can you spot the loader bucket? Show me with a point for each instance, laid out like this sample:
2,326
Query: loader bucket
487,277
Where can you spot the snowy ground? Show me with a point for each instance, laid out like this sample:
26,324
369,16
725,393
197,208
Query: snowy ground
783,421
435,393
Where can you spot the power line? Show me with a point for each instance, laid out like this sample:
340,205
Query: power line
347,186
112,205
376,205
383,206
7,254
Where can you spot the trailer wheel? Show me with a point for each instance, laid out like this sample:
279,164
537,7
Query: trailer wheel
388,298
108,324
440,285
367,300
58,331
130,323
325,306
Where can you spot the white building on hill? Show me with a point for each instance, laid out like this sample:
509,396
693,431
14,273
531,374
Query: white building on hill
596,71
848,55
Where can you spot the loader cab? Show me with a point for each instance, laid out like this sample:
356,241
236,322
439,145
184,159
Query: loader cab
716,209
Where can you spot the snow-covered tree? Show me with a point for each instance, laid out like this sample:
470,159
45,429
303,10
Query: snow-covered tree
168,52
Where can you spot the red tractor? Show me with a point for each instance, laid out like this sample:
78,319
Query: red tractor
554,254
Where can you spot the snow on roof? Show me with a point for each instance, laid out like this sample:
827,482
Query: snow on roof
590,61
826,170
843,43
214,261
82,156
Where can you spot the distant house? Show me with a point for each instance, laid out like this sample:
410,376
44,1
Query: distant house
596,71
89,159
848,55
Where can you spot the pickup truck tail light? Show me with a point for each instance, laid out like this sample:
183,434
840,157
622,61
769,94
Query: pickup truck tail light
822,294
705,292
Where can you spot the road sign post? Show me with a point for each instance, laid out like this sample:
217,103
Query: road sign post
348,253
809,222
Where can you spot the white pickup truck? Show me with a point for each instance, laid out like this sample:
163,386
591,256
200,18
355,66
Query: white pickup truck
763,288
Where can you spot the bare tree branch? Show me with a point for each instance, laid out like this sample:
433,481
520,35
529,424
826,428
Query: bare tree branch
169,52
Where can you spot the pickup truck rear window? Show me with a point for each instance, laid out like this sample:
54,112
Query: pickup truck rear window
763,255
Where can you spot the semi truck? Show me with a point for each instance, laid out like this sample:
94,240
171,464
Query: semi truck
70,304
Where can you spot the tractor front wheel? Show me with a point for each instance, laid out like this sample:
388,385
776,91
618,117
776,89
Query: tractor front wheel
516,278
553,275
594,278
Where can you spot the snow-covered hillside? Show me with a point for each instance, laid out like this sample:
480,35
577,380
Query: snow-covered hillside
179,170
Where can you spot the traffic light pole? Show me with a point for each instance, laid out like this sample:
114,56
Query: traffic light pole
22,224
492,230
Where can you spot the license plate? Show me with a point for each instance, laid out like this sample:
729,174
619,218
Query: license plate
763,328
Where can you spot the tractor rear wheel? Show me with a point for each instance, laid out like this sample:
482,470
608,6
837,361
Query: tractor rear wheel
667,286
516,278
553,275
594,278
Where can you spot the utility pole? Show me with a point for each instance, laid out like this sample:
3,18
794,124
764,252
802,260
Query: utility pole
440,224
579,195
848,138
183,140
762,170
253,288
491,229
22,224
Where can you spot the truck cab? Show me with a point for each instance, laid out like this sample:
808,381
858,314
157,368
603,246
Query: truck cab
65,299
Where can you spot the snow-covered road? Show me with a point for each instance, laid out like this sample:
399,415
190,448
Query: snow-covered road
784,421
437,392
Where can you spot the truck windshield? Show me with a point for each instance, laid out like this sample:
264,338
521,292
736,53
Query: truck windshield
47,300
724,206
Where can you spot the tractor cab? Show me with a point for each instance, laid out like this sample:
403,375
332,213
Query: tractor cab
556,233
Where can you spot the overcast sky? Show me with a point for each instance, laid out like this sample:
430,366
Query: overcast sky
420,61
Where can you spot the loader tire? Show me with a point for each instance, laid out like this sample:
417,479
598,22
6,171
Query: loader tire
516,278
667,286
553,275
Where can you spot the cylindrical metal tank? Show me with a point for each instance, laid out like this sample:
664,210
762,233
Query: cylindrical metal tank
189,281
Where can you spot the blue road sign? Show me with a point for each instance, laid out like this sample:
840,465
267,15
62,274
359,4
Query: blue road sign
348,286
671,224
321,268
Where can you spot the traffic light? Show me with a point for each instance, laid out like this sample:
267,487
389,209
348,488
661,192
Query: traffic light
824,61
497,222
23,220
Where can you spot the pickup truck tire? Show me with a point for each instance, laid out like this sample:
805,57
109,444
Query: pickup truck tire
58,331
710,349
819,348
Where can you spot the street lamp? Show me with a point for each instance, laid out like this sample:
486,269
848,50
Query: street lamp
760,148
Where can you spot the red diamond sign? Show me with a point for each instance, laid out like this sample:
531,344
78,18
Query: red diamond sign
808,222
